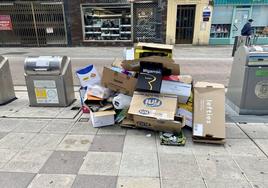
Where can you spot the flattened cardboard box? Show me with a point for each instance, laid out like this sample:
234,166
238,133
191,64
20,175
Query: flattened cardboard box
159,125
162,107
134,65
209,110
118,82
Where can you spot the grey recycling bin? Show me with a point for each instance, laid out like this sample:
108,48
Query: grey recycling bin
248,86
49,81
7,93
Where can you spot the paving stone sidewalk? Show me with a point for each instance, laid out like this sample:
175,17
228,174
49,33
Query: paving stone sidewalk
52,152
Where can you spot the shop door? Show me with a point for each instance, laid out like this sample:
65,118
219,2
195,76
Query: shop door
185,24
33,24
241,17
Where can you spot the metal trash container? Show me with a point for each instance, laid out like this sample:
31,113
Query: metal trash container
49,81
7,93
248,86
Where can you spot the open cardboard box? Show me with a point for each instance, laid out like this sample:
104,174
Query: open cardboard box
209,112
118,82
152,49
168,64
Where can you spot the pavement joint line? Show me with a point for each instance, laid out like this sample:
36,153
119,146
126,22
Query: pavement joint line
199,168
266,155
158,161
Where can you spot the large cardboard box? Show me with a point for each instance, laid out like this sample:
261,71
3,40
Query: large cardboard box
169,66
118,82
209,111
157,106
156,112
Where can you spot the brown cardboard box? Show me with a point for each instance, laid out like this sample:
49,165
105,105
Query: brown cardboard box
118,81
117,63
155,112
153,105
209,111
134,65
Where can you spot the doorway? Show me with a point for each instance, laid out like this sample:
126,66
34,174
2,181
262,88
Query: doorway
185,24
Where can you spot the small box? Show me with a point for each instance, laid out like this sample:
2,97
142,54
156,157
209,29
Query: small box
118,82
150,77
101,119
209,111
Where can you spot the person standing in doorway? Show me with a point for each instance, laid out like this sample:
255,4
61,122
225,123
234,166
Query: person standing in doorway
247,30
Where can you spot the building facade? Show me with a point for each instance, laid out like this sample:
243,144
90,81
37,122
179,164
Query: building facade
229,17
188,22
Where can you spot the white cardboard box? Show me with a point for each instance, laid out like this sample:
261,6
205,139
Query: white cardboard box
101,119
182,90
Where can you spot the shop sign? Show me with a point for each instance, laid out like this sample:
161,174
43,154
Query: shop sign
206,14
5,23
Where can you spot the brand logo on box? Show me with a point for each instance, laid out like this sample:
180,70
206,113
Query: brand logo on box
144,112
152,102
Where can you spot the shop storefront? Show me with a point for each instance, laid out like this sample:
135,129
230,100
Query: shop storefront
32,23
108,22
188,22
229,18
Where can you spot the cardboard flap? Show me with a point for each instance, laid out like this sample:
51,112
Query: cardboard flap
154,46
208,85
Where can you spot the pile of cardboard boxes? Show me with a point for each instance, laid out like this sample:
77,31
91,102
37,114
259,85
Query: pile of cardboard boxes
147,90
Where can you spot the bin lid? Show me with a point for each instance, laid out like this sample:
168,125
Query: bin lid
45,65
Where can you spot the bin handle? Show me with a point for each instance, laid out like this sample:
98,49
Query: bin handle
40,69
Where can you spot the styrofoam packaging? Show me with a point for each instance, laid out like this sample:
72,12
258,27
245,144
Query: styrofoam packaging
121,101
88,76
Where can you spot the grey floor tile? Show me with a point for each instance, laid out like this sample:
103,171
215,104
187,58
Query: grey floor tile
141,132
52,181
31,126
209,149
233,131
112,130
91,181
242,147
83,128
58,126
22,179
108,143
3,134
27,161
45,141
139,165
76,143
16,140
179,167
255,130
138,182
140,144
173,183
228,184
36,112
7,125
215,168
63,162
255,168
6,155
101,163
259,184
263,144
